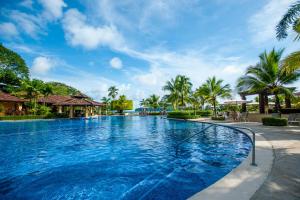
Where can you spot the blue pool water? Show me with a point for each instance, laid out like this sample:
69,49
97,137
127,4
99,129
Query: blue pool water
115,158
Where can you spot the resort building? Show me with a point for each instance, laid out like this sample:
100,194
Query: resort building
11,105
74,106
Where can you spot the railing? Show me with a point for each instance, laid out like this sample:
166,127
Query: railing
253,163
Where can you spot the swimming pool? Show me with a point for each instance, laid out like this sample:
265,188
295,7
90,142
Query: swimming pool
115,158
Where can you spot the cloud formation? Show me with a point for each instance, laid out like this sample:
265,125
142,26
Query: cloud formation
42,65
53,9
116,63
8,30
79,33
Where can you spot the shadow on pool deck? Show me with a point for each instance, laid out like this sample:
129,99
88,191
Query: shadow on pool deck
283,182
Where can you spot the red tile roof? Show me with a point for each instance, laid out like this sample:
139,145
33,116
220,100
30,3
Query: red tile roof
68,101
8,97
297,94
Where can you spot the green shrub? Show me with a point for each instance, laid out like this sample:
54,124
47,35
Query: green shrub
289,110
204,113
272,121
43,110
182,115
218,118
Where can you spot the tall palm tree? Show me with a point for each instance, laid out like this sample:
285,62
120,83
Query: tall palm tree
33,90
290,18
173,96
153,101
46,90
184,86
195,101
144,103
213,89
179,90
106,101
113,92
268,76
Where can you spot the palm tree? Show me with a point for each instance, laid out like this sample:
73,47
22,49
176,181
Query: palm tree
33,90
213,89
195,101
173,96
290,18
184,86
268,77
144,103
106,101
153,101
179,90
46,90
113,92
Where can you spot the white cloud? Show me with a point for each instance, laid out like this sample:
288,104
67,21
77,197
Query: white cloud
30,24
53,9
8,30
41,65
232,69
116,63
262,24
26,4
79,33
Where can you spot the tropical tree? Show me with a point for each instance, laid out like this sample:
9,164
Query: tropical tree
33,90
144,103
268,77
213,89
13,69
179,90
195,101
153,101
122,104
290,19
46,90
113,92
173,96
106,101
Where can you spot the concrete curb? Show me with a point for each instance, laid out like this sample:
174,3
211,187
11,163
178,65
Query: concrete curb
242,182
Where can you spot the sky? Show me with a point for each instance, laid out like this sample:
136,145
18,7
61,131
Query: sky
138,45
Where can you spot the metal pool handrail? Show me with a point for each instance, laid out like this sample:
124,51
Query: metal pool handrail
253,163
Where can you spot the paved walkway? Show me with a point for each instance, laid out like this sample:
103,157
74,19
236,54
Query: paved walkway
283,182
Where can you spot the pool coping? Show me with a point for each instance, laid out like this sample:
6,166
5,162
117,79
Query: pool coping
244,180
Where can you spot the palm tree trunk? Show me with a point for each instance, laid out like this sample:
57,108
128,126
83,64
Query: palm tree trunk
261,103
288,102
214,104
277,103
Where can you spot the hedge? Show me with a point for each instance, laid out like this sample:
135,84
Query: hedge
182,115
289,110
204,113
25,117
272,121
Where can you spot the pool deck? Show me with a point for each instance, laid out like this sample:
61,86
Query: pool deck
277,175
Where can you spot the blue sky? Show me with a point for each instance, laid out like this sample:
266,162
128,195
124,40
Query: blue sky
139,45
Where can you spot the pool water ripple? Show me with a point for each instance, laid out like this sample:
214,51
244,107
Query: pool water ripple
115,158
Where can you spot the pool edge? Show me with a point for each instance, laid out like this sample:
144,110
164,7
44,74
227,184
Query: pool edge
244,180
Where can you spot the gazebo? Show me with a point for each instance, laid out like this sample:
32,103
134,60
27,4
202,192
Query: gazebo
78,105
11,105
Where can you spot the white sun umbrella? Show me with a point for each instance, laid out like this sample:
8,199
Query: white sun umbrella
256,103
235,102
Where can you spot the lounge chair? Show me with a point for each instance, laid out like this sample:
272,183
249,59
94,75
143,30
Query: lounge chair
294,119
